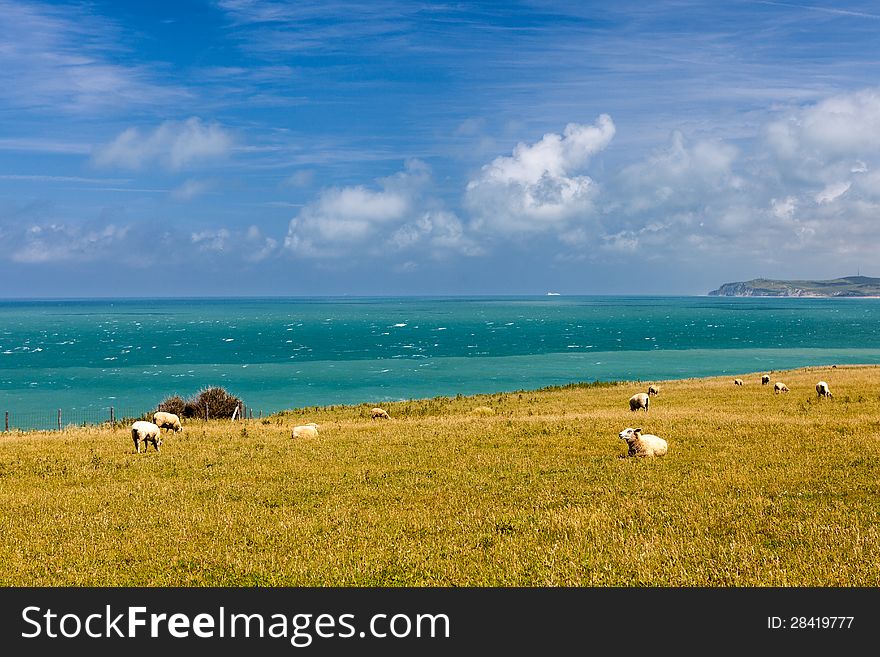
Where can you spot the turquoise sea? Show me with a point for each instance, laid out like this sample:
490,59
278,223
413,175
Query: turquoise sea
84,356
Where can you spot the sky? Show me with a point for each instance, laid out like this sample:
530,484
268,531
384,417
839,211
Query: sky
263,148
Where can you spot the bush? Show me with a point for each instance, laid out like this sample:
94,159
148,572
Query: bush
218,402
174,404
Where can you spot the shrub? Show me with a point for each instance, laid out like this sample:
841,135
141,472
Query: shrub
174,404
218,402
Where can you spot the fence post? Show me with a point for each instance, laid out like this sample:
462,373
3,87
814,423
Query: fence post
59,419
7,421
206,412
111,415
251,412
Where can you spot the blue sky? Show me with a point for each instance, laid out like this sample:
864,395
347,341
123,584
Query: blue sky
242,147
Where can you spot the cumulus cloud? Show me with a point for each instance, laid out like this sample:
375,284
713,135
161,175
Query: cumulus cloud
258,246
442,231
805,185
844,126
59,242
174,145
395,214
211,239
539,186
251,245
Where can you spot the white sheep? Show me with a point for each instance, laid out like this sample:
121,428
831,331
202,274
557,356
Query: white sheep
653,390
779,387
145,432
738,382
309,430
639,400
765,379
380,413
823,391
643,444
165,420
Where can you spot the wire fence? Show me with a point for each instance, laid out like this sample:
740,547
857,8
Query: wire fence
60,419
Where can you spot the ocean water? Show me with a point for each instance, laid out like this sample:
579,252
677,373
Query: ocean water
84,356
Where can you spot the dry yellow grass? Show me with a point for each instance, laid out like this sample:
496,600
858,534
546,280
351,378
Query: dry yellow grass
757,489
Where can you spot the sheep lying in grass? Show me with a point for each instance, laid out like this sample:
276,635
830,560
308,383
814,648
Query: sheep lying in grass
765,379
779,387
165,420
380,413
738,382
309,430
643,444
653,390
145,432
639,400
823,391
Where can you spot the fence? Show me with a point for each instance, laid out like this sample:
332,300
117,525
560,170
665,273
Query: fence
59,419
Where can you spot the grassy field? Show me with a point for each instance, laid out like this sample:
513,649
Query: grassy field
757,489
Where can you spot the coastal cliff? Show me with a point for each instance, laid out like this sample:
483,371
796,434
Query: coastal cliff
849,286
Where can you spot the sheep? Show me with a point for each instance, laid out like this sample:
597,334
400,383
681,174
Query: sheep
653,390
779,387
823,391
765,379
309,430
380,413
145,432
639,400
165,420
738,382
643,444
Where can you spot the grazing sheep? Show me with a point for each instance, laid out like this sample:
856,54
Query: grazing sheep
165,420
309,430
145,432
639,400
765,379
738,382
379,412
643,444
823,391
653,390
779,387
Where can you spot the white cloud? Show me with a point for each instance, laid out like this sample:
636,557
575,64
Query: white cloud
174,145
258,247
212,239
64,58
538,187
804,185
440,230
783,209
191,189
843,126
679,176
343,217
250,245
66,242
832,192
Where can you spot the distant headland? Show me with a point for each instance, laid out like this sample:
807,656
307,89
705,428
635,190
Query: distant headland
849,286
